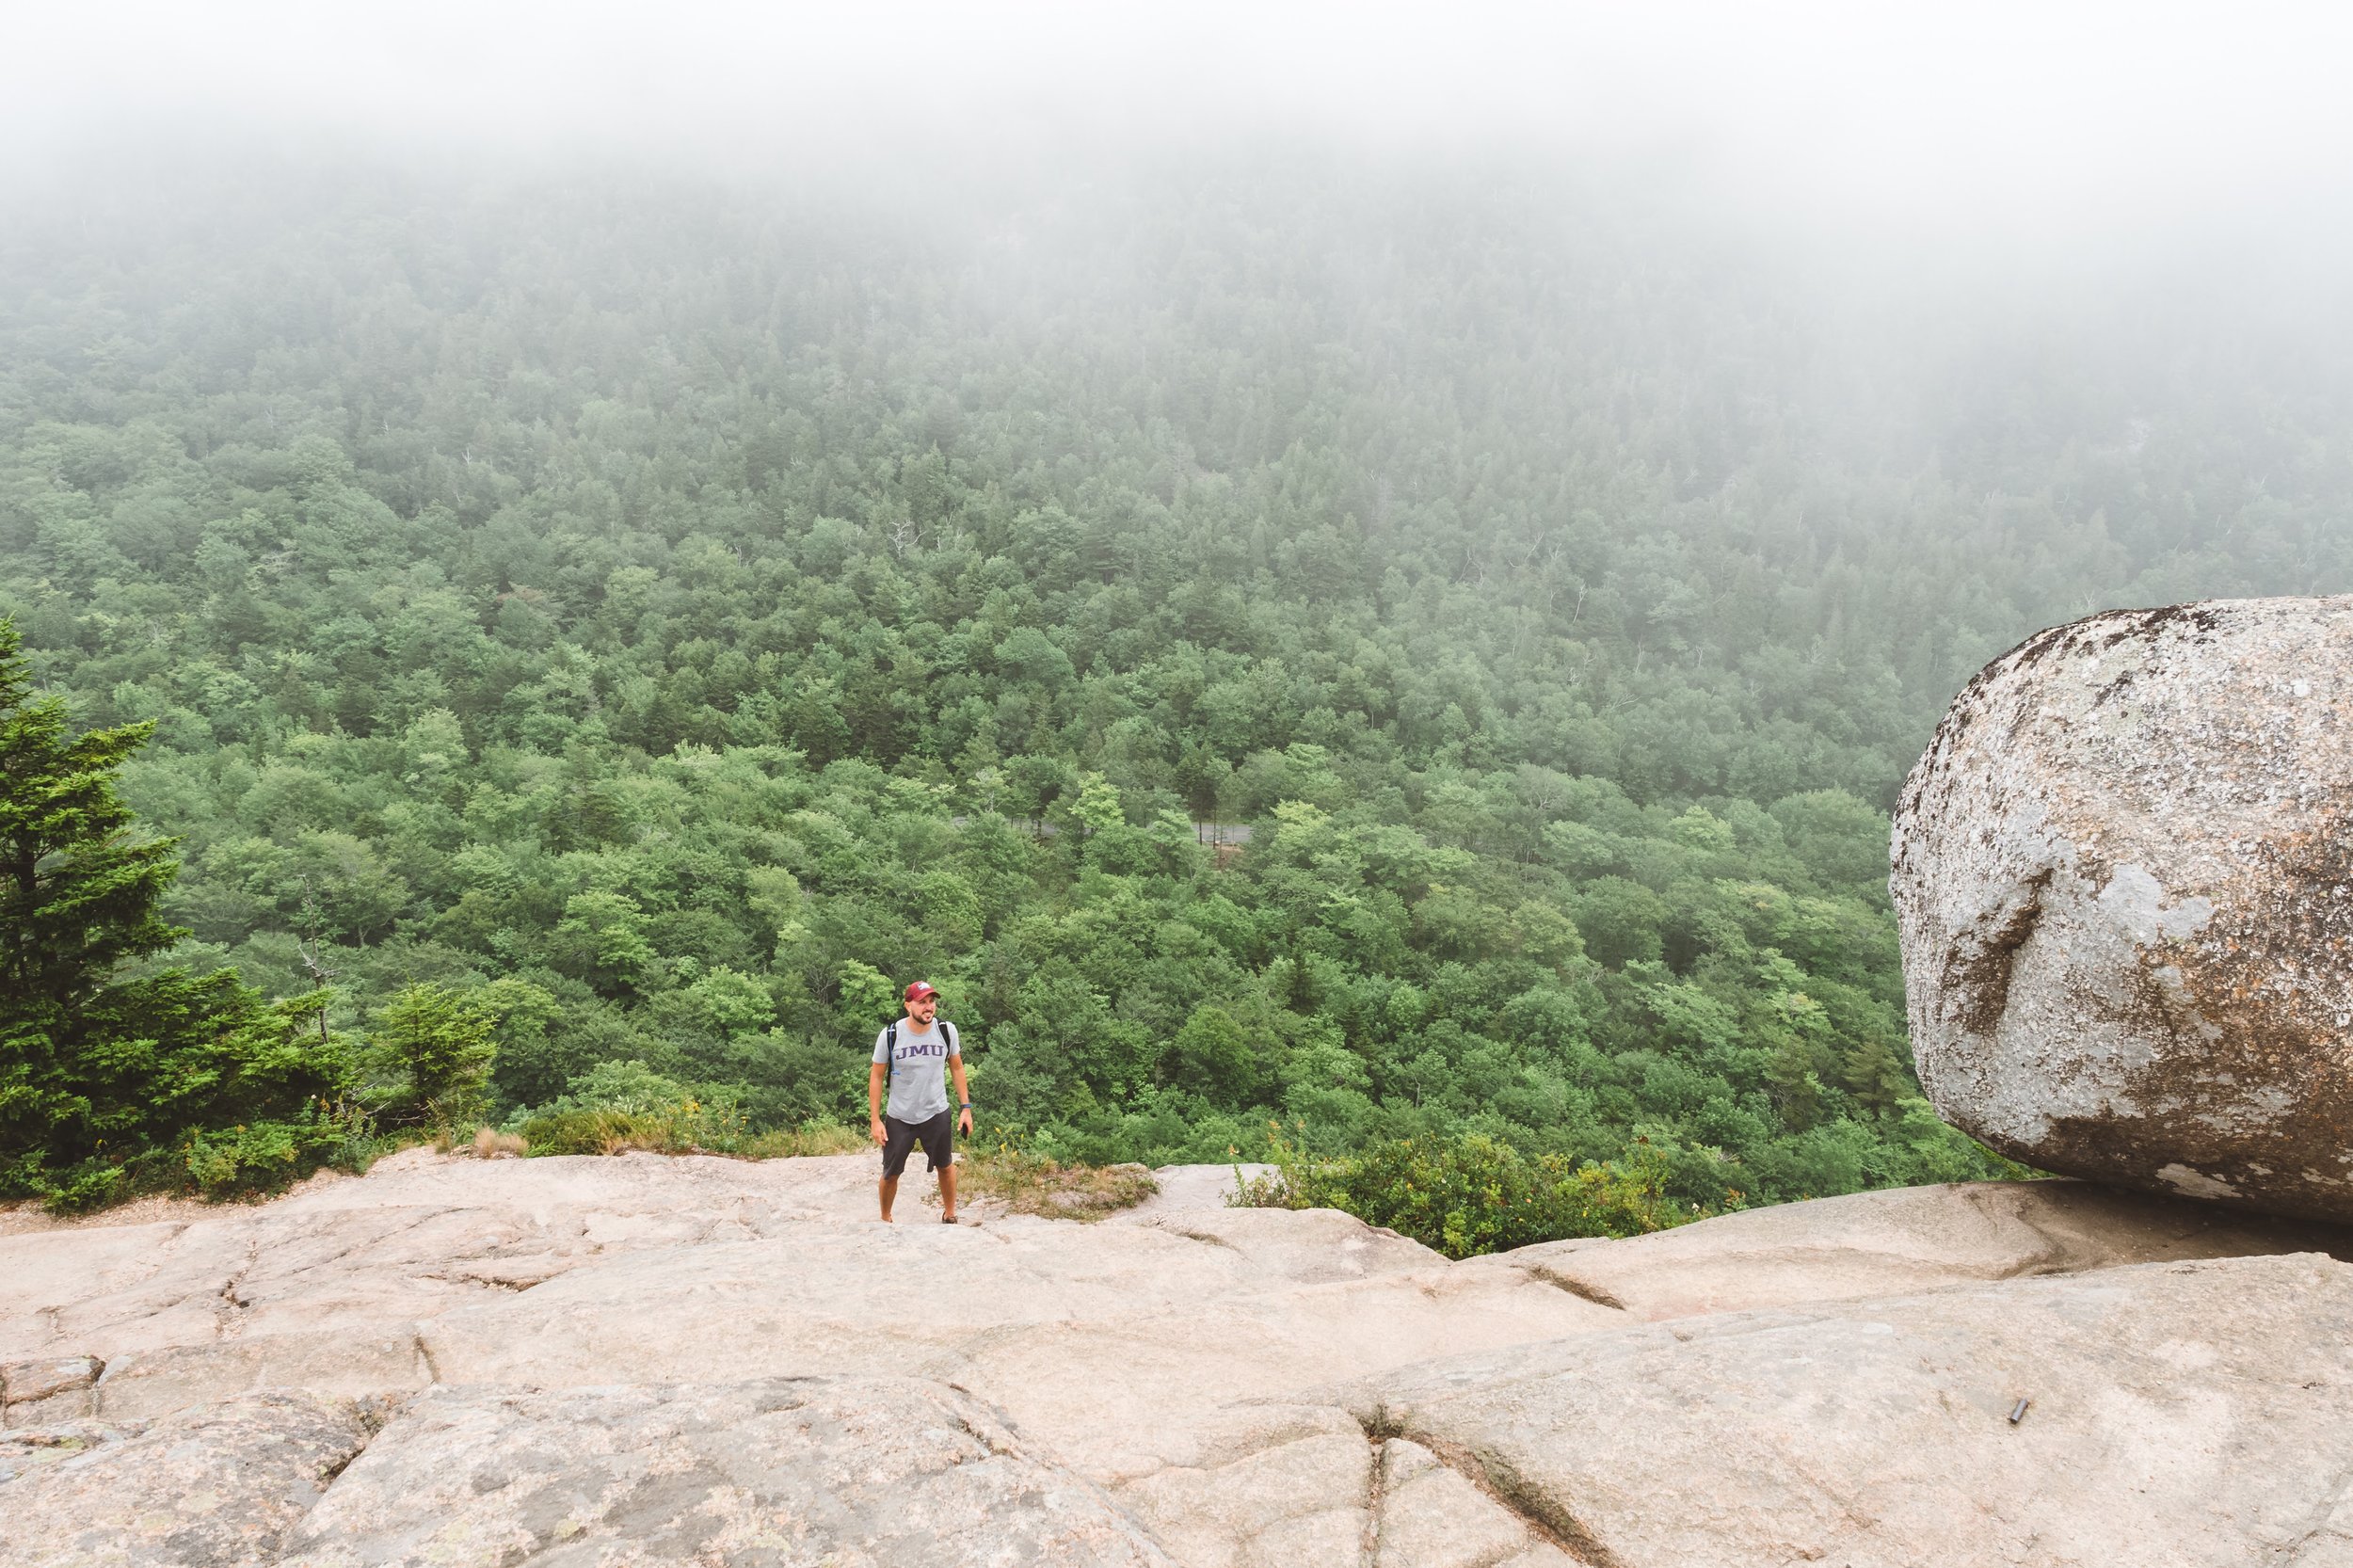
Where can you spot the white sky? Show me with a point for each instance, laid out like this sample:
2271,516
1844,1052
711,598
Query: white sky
2013,118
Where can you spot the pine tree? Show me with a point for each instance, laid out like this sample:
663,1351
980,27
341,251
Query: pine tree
77,894
103,1078
439,1049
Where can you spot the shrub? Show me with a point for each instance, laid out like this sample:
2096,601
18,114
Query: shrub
621,1105
1471,1194
491,1144
259,1157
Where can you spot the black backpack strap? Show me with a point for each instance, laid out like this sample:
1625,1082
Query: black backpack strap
890,1052
953,1048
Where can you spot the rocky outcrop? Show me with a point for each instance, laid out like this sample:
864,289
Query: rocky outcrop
645,1359
2172,1414
1097,1340
223,1485
2125,876
1902,1241
858,1472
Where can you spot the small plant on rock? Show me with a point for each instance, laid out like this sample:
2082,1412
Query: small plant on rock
1469,1194
1026,1182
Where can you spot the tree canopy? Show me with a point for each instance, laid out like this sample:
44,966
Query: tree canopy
1274,644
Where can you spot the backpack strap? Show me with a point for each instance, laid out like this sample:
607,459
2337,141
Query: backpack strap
890,1052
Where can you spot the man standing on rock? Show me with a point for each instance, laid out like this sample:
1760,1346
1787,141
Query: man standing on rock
910,1055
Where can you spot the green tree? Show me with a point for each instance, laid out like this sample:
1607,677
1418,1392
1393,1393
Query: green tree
436,1047
102,1074
78,892
868,997
1098,805
601,938
1215,1058
732,1002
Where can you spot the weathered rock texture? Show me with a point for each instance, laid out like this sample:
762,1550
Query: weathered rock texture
2183,1413
2124,876
847,1472
223,1485
649,1360
1903,1240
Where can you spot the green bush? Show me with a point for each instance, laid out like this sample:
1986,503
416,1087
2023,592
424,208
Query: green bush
621,1105
263,1156
1473,1193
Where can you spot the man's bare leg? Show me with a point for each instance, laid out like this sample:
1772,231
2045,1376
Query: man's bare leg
889,1191
948,1191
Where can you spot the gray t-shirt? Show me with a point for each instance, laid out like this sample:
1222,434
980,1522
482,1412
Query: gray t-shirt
918,1078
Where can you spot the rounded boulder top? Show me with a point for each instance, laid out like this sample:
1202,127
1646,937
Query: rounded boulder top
2123,875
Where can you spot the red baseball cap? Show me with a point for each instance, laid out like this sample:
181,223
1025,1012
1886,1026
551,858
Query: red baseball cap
920,989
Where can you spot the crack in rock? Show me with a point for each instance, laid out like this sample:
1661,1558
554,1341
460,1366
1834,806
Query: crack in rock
1376,1486
1500,1483
425,1354
1583,1289
1206,1237
227,1319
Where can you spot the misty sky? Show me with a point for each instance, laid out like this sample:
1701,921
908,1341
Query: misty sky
2019,120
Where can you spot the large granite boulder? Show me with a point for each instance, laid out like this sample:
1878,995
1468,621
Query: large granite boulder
2125,876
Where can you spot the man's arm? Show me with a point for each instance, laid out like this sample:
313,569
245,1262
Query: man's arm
964,1095
874,1097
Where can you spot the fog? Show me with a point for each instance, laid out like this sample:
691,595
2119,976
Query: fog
2029,128
667,517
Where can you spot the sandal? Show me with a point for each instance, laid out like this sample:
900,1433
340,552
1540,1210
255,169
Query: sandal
947,1219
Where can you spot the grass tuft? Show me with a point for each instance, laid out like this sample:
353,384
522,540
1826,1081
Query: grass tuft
1028,1183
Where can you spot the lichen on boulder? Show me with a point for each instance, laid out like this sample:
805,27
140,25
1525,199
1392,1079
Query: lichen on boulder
2123,872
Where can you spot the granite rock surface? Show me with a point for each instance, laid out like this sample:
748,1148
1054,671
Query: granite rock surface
2174,1414
645,1359
1906,1239
848,1472
219,1485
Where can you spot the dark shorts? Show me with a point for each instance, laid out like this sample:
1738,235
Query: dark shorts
938,1136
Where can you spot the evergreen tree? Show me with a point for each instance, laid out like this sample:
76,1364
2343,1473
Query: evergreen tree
79,893
439,1047
102,1075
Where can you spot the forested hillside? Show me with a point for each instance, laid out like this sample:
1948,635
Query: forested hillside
676,614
